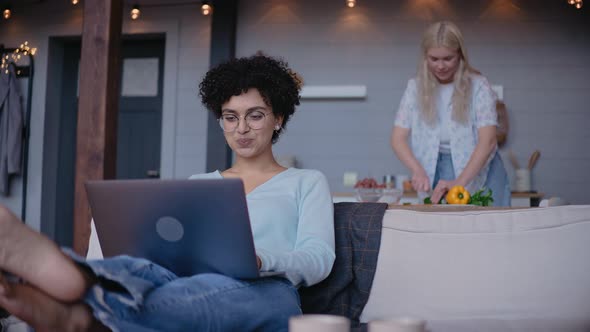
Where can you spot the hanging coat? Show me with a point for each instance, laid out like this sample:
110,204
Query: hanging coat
11,128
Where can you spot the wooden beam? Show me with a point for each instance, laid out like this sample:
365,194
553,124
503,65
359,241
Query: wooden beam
96,148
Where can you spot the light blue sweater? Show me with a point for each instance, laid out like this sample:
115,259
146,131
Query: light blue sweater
292,221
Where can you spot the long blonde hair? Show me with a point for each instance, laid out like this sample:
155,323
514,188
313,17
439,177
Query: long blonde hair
444,34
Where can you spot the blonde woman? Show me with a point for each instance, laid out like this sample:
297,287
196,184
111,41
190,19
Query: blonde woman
448,111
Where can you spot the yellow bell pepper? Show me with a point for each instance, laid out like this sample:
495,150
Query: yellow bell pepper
458,195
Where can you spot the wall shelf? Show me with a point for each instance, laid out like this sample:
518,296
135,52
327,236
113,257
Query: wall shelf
334,92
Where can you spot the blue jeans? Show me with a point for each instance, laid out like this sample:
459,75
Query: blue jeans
135,294
497,179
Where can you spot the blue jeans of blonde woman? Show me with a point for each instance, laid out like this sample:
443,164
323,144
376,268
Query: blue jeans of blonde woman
137,295
497,179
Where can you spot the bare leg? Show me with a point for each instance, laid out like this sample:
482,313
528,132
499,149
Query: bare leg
36,259
44,313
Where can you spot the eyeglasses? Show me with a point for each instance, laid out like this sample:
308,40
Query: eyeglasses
230,122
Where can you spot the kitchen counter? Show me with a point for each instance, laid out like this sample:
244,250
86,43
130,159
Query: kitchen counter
518,199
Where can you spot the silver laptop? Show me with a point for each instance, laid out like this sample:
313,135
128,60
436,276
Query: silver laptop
186,226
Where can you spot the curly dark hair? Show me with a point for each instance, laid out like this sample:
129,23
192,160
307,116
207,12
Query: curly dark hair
278,85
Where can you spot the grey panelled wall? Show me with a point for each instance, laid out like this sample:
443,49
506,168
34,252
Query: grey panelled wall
184,129
539,51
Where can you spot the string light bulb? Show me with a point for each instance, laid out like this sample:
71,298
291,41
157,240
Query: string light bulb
350,3
75,2
579,4
206,8
135,12
571,2
6,13
15,56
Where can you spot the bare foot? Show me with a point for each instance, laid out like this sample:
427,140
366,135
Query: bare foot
44,313
38,260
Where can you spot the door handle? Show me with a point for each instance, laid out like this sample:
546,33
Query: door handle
153,173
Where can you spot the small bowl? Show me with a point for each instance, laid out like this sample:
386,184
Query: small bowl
382,195
391,195
368,194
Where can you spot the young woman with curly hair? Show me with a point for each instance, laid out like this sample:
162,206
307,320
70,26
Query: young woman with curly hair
291,213
449,113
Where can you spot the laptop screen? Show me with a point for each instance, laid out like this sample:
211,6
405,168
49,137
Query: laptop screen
186,226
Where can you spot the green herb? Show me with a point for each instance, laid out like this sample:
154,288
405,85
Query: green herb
481,198
428,200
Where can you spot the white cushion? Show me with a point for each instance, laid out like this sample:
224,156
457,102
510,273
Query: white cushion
510,325
521,264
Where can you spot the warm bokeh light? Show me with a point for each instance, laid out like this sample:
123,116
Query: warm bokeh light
579,4
135,12
351,3
6,13
571,2
206,9
16,56
75,2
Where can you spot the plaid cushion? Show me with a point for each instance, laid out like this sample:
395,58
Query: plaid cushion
358,237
